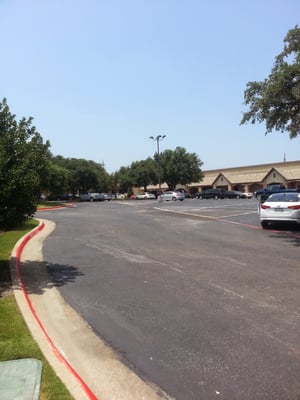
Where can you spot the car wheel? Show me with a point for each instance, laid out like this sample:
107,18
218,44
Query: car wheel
216,197
174,199
91,199
264,224
200,197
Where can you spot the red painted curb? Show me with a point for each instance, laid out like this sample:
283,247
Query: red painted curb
49,208
70,205
59,356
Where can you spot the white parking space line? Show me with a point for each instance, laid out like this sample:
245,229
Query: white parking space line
239,214
204,216
177,270
227,291
127,203
185,213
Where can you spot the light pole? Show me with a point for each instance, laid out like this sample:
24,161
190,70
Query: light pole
158,139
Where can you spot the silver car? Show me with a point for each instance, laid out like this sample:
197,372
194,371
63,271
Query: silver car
144,196
280,208
170,195
89,196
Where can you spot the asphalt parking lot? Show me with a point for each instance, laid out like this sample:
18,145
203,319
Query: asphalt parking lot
194,296
239,210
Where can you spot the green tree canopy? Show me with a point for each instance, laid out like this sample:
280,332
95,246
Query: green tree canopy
276,100
83,175
56,180
143,172
179,167
23,163
122,180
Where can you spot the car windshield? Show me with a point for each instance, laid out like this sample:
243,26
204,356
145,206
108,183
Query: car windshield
284,197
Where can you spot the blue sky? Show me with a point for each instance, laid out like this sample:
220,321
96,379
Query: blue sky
100,77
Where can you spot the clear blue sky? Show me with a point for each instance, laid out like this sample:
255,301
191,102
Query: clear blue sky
101,76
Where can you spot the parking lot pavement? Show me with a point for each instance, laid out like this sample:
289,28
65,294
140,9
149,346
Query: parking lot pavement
231,210
87,366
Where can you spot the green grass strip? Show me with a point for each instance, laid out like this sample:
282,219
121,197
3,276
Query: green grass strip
16,341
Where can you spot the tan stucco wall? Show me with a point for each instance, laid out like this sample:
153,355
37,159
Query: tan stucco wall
248,178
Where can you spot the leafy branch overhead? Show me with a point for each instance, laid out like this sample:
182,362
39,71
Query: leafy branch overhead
276,100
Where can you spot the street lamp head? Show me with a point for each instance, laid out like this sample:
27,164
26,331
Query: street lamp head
158,137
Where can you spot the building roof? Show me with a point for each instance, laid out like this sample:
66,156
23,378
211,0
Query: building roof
290,170
250,174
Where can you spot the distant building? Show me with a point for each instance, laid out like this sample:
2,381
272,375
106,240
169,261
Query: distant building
251,178
247,179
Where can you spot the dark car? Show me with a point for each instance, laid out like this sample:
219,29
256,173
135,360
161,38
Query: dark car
263,194
60,197
212,194
234,194
199,195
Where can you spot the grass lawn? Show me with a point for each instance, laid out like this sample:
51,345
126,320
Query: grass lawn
15,339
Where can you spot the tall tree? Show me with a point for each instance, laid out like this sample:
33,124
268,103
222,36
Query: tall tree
84,175
122,180
143,173
276,100
179,167
56,180
23,162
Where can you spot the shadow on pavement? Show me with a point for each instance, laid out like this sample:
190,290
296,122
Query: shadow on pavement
289,237
39,276
62,274
287,232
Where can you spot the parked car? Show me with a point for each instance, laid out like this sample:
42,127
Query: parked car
234,194
144,196
89,196
280,208
187,194
59,197
212,194
263,194
171,195
107,196
248,195
198,194
120,196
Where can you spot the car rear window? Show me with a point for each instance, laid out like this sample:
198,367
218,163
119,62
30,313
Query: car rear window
285,197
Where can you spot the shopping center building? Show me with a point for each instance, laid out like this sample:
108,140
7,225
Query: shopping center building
250,178
246,179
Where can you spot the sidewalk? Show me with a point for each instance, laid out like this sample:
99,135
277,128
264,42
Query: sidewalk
87,366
